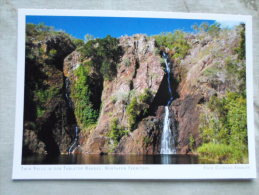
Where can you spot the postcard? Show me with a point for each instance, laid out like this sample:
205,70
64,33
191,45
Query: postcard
133,95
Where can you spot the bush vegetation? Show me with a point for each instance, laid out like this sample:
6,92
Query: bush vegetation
42,97
116,131
175,42
80,93
212,29
241,49
40,69
138,107
105,55
225,128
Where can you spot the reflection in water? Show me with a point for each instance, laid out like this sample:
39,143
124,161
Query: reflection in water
113,159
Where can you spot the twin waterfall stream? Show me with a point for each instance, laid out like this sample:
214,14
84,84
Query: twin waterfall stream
167,140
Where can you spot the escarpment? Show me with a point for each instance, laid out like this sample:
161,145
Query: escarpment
46,123
114,91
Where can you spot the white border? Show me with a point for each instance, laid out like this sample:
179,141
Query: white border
178,171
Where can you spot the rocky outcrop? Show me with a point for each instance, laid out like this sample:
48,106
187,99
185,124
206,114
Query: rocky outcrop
186,113
144,140
203,73
32,144
45,94
138,70
137,73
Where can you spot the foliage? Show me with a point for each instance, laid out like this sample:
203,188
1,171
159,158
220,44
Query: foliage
211,71
116,131
127,62
77,42
237,69
221,153
138,107
147,140
52,52
104,53
133,111
114,99
41,84
212,29
191,142
80,93
175,42
88,37
146,96
38,31
42,97
226,124
108,70
241,49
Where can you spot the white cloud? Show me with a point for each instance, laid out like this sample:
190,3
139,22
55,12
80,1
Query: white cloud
228,24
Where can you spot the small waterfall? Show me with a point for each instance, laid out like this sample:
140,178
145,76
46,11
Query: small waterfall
167,140
75,143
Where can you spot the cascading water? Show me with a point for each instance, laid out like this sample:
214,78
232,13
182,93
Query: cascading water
167,140
75,143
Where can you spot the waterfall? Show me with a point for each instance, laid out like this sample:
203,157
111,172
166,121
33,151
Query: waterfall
167,140
75,143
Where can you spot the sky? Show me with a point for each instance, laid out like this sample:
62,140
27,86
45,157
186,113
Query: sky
100,27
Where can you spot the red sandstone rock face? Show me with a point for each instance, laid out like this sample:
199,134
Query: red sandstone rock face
187,115
139,69
197,85
144,140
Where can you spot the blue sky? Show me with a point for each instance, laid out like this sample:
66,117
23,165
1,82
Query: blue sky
100,27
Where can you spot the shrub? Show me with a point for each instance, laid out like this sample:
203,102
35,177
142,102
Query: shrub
116,131
146,97
105,54
133,112
80,93
225,124
108,70
147,140
176,42
114,99
42,97
52,52
77,42
241,49
138,107
191,142
127,62
237,69
212,29
211,71
217,152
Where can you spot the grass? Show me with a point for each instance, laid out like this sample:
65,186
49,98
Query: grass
222,153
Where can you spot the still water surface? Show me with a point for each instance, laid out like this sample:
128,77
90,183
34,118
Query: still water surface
113,159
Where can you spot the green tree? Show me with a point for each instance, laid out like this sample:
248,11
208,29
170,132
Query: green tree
80,93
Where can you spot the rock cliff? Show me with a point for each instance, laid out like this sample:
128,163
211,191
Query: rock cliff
115,90
46,117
